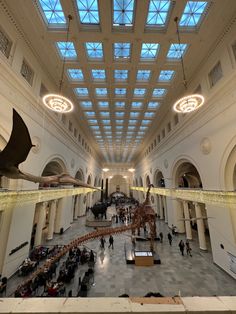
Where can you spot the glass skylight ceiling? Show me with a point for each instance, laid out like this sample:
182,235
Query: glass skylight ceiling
158,13
120,71
193,13
123,11
53,12
66,49
88,11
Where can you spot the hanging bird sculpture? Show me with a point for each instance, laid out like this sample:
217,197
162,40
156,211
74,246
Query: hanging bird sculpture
17,150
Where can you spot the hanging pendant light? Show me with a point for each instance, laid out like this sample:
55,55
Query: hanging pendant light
57,102
188,103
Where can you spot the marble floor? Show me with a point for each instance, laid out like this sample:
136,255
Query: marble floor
177,275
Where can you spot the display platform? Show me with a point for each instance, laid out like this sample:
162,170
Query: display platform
98,223
144,258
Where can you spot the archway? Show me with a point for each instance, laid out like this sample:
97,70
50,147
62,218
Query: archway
118,184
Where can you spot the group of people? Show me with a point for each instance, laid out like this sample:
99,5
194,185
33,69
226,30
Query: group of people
182,245
103,241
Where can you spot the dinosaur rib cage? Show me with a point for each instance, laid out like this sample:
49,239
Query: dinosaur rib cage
76,242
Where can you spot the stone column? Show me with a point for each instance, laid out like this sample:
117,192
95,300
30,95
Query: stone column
158,205
40,223
200,228
52,215
188,228
179,215
57,224
161,207
75,208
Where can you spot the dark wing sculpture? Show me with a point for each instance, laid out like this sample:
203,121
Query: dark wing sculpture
17,150
18,147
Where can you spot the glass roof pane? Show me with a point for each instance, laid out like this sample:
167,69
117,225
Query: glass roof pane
104,113
166,76
192,14
146,121
81,91
142,128
120,114
131,127
98,74
176,51
97,132
86,104
158,13
53,12
134,114
132,121
136,105
153,105
94,127
75,74
119,121
143,75
103,104
139,92
94,50
88,11
120,104
66,49
106,121
149,114
123,12
149,51
90,113
120,91
92,121
159,92
119,127
101,91
121,75
107,127
121,50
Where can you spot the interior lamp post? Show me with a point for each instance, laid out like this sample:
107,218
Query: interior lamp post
187,103
57,102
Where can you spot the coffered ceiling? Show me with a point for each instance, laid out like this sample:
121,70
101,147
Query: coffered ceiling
122,60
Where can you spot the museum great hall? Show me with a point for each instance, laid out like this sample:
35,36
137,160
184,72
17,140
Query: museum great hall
99,100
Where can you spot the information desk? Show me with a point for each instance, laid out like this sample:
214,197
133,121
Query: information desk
143,258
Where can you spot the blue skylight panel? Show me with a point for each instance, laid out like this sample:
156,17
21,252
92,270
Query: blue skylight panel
101,91
104,113
134,114
94,127
153,105
81,91
176,51
108,132
139,92
121,50
141,133
159,92
143,128
103,104
90,114
130,133
123,12
120,91
146,121
157,13
106,121
92,121
119,127
53,12
192,14
130,127
149,114
121,75
88,11
94,50
75,74
97,132
107,127
149,51
166,75
132,121
118,133
143,75
86,104
98,136
137,105
98,74
120,104
120,114
66,49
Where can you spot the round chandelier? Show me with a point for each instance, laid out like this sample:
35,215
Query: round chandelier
187,103
57,102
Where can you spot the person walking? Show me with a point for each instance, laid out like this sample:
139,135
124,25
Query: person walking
169,238
181,247
102,242
111,241
161,237
188,248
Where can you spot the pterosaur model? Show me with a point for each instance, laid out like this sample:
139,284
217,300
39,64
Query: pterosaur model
16,152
